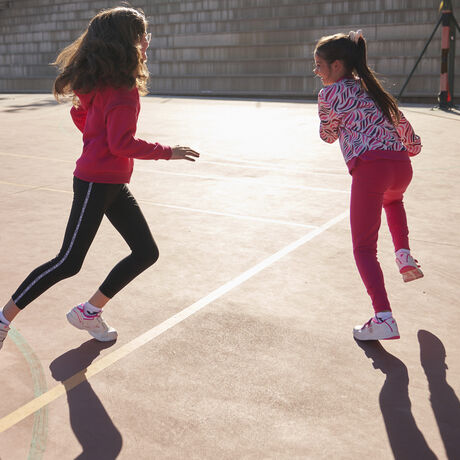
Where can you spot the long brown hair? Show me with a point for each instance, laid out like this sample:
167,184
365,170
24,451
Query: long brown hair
106,54
354,57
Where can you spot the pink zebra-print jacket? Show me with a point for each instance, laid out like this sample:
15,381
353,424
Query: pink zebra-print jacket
349,114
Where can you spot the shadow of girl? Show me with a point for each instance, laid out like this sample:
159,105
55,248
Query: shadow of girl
406,440
90,422
444,401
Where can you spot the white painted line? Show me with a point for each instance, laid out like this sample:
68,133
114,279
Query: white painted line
245,164
244,181
237,163
182,208
299,171
225,214
51,395
266,163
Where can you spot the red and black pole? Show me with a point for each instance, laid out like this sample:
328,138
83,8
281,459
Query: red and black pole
448,23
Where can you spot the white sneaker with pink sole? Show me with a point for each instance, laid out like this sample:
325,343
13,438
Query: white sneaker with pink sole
377,329
94,324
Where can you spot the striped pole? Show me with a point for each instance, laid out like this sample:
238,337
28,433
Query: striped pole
447,56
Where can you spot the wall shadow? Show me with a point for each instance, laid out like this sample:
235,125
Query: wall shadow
406,440
93,427
444,401
31,106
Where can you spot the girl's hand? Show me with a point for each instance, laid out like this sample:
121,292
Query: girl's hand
184,153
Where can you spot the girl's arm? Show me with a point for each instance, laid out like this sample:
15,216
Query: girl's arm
329,124
79,117
121,124
408,137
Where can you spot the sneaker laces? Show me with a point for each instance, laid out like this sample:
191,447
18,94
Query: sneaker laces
367,324
408,260
101,322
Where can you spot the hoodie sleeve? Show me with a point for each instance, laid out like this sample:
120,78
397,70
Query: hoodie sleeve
121,122
329,122
408,137
79,117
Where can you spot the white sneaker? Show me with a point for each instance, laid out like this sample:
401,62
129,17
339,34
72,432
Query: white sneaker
408,266
95,325
3,333
376,329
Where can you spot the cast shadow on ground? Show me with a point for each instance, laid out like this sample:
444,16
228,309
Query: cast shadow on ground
406,440
444,401
32,106
93,427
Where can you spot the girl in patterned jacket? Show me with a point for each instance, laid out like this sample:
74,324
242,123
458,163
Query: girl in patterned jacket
104,71
376,141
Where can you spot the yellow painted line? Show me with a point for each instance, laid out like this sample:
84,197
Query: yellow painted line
14,184
46,398
34,187
31,157
37,403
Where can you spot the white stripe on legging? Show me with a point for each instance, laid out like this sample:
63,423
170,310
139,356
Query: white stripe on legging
58,264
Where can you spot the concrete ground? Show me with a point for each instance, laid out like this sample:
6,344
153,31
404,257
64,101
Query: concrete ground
238,343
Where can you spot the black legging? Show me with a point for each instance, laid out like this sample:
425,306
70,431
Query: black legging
91,201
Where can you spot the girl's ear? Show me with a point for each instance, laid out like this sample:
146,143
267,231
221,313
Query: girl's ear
337,65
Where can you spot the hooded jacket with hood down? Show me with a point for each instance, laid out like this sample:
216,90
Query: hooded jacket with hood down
107,117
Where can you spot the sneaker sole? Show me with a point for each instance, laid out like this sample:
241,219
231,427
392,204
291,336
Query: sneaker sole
373,339
105,339
412,275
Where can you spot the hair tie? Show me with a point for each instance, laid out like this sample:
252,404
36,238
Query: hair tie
355,36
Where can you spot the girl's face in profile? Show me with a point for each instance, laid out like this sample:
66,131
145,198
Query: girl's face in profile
322,70
329,73
145,44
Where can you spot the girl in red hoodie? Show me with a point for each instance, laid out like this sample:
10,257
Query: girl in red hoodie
104,71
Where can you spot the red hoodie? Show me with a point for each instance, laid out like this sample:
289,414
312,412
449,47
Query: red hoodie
107,118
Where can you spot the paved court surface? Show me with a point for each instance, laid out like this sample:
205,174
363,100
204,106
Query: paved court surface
237,344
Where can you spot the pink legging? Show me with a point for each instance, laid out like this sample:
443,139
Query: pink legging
377,184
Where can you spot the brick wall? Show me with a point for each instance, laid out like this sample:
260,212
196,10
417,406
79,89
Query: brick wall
257,48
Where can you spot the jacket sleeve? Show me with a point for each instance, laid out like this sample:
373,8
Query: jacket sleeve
121,123
329,123
408,137
79,117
